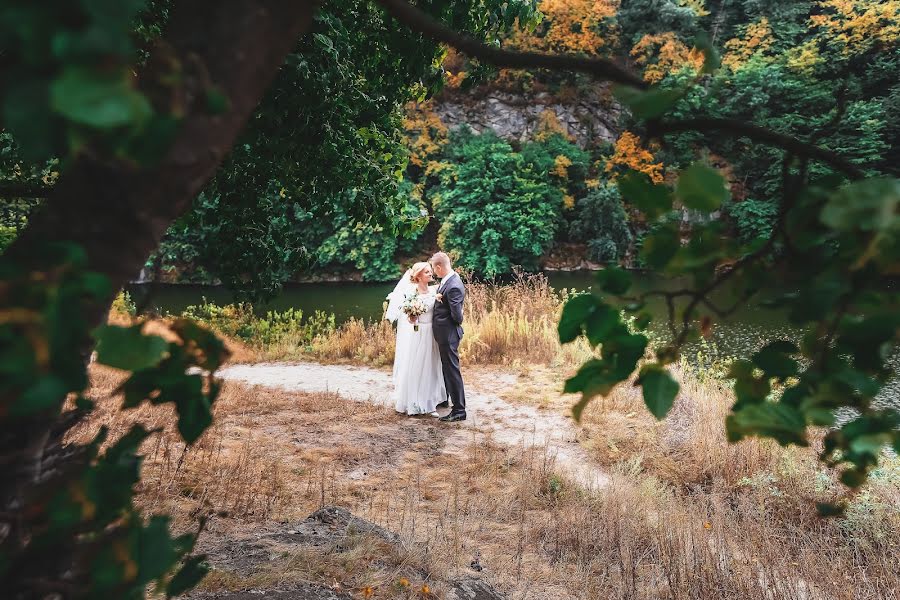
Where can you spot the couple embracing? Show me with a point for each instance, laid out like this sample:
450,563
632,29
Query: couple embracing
429,329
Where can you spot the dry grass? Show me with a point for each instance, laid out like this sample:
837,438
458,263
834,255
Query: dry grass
686,515
269,455
511,324
688,448
358,341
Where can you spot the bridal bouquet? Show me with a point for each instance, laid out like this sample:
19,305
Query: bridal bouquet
413,306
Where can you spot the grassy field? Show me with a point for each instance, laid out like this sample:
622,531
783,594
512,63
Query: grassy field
686,514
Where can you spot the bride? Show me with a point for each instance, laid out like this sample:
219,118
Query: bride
418,382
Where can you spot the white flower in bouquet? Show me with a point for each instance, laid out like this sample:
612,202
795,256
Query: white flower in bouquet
413,306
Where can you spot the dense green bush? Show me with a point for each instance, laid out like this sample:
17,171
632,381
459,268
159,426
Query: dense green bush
7,235
366,246
563,162
753,219
496,211
601,222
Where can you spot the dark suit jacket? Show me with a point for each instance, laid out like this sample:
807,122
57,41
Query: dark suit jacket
448,314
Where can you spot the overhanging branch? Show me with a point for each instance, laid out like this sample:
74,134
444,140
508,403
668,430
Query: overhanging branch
23,190
417,20
759,134
607,70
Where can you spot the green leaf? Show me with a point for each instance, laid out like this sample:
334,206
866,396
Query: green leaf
624,351
98,100
651,199
127,348
642,321
595,377
191,573
648,104
747,388
212,351
712,60
660,246
26,113
853,478
194,412
871,443
614,280
785,424
574,314
826,509
47,393
217,102
602,323
660,390
701,187
156,552
774,360
867,205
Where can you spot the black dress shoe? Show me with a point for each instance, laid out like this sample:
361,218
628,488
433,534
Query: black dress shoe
453,417
444,404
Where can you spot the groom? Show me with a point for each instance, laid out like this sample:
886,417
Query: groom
448,331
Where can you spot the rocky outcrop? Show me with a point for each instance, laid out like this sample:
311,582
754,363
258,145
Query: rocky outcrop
300,591
590,117
473,589
328,531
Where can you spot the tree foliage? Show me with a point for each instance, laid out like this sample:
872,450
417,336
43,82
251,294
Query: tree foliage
798,114
77,88
601,222
496,209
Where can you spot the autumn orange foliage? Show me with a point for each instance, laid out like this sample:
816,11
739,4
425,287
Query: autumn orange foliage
548,125
575,26
631,154
663,53
561,166
756,42
858,25
425,133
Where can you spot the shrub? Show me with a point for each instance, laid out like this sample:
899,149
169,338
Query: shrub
752,218
239,320
601,222
496,210
7,235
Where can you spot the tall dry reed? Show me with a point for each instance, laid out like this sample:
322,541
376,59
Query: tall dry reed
504,324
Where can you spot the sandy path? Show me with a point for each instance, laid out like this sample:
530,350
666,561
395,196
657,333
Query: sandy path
488,414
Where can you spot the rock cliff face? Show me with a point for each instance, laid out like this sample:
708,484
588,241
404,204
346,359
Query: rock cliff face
590,117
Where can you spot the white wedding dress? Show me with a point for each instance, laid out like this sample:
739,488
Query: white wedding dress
418,380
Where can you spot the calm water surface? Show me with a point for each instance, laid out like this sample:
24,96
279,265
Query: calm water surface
740,335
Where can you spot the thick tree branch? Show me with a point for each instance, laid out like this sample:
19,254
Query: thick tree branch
607,70
23,190
417,20
118,212
760,135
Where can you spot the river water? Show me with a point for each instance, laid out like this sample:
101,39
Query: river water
740,335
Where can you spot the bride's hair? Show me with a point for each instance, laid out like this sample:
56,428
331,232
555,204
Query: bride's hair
417,270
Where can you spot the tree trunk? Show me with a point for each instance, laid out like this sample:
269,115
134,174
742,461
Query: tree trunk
118,211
